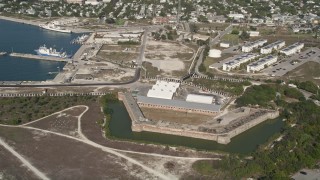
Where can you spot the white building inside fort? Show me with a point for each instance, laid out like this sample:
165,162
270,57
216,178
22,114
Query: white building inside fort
163,90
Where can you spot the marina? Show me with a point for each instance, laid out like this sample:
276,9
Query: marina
24,64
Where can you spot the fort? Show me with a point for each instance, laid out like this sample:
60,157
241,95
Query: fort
221,133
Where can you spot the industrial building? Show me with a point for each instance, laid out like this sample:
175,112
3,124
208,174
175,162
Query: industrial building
273,46
253,45
237,61
163,90
261,63
115,37
205,99
292,49
178,105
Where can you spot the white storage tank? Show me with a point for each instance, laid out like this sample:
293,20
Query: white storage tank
214,53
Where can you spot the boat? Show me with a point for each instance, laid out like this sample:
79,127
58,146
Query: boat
44,51
53,27
3,53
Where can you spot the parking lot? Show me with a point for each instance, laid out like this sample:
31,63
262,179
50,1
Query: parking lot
285,65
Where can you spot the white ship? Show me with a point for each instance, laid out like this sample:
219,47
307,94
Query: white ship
44,51
53,27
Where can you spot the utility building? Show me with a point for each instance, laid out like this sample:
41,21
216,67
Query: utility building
199,98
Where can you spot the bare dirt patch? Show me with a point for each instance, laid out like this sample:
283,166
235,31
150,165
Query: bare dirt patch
62,158
12,168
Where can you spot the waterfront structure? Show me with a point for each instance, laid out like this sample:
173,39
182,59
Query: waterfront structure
261,63
253,45
163,90
178,105
53,27
115,37
237,61
292,49
197,98
273,46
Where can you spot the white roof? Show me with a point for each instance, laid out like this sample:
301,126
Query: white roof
163,90
199,98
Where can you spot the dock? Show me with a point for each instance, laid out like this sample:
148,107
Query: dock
32,56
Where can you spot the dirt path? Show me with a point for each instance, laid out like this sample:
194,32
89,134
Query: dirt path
113,151
119,150
23,160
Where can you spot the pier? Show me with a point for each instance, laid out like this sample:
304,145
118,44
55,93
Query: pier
32,56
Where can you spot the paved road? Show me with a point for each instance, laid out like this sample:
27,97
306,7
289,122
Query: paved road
199,62
216,39
283,66
142,48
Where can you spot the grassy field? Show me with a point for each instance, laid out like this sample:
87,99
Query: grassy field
151,70
306,72
209,61
175,116
18,110
118,56
232,38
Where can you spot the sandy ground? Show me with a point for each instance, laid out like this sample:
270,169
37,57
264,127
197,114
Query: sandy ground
161,54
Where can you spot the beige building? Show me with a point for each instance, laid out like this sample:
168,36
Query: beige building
75,1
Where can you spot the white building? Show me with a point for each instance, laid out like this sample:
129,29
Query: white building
253,45
237,61
261,63
236,16
75,1
254,33
92,2
292,49
273,46
199,98
224,44
163,90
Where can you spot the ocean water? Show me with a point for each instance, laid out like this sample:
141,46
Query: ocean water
23,38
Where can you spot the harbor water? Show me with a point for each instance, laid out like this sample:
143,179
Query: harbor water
244,143
23,38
